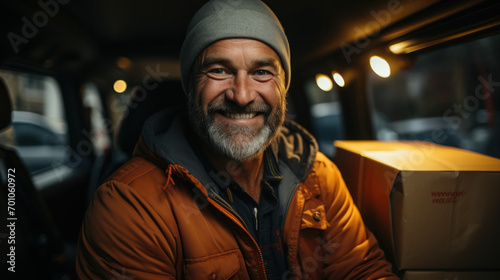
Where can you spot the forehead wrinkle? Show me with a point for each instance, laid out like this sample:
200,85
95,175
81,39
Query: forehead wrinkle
267,62
207,61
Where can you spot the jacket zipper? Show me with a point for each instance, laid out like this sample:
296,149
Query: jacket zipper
255,212
230,215
221,205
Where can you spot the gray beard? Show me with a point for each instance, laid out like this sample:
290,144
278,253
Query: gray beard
220,137
224,144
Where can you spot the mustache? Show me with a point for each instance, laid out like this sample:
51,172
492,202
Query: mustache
231,107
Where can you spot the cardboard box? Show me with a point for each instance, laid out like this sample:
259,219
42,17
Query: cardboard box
451,275
431,207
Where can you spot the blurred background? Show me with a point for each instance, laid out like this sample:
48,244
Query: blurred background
76,72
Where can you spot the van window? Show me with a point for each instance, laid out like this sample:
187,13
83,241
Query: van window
449,96
99,126
326,117
117,104
39,129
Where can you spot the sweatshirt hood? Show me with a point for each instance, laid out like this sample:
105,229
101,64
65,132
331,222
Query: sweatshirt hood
165,134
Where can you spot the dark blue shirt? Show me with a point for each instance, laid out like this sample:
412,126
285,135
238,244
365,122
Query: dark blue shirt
262,219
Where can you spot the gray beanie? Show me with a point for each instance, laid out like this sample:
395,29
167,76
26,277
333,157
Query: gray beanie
222,19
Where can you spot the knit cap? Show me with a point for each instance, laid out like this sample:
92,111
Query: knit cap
223,19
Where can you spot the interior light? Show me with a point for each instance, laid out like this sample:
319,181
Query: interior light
380,66
324,82
123,63
120,86
339,80
398,48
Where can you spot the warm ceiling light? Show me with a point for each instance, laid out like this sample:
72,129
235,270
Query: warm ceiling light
324,82
123,62
398,48
339,80
120,86
380,66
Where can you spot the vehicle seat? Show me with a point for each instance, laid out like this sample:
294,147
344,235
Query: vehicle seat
168,94
141,105
39,249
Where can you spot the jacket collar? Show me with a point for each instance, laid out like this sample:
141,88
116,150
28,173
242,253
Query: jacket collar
165,140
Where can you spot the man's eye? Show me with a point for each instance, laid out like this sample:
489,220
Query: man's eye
263,75
218,71
262,72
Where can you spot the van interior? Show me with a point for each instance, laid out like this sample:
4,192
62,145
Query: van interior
81,77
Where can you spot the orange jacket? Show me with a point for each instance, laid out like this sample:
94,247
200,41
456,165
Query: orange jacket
153,219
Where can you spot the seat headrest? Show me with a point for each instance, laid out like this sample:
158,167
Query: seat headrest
142,104
5,106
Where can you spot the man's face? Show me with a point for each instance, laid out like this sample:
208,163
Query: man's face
238,104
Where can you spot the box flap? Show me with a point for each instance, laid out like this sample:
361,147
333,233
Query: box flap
421,155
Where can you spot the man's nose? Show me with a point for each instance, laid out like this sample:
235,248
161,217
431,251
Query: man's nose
241,92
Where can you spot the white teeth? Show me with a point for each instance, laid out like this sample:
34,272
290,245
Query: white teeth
241,116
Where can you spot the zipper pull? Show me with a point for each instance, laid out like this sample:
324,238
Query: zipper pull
256,218
168,172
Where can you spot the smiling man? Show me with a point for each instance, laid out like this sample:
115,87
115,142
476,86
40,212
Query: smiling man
230,189
239,99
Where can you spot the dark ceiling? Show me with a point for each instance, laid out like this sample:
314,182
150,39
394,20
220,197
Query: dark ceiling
76,33
318,26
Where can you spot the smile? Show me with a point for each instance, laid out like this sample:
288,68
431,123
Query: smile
240,115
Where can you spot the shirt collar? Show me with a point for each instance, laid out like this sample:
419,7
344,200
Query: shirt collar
272,173
271,169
